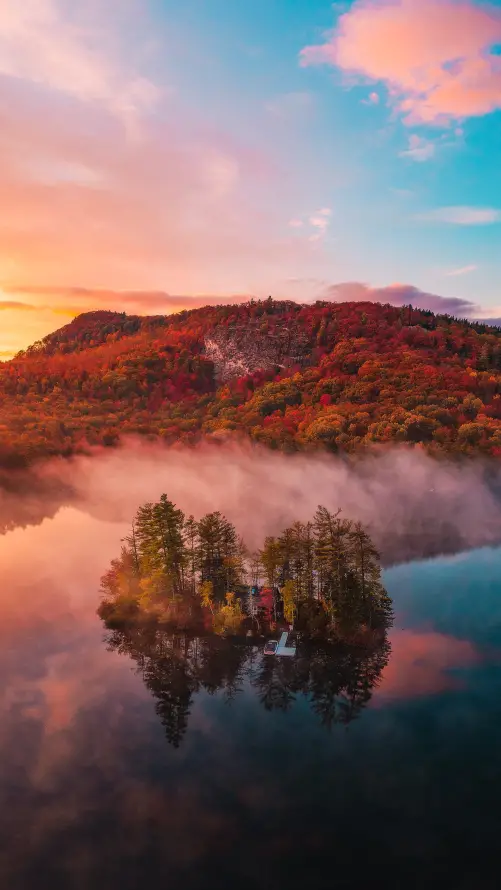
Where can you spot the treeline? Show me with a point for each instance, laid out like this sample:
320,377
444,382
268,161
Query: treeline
339,377
330,561
325,574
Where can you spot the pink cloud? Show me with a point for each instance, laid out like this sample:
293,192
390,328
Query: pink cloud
463,270
435,56
75,54
372,99
399,295
6,305
72,300
143,210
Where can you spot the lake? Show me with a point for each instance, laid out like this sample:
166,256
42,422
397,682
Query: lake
145,759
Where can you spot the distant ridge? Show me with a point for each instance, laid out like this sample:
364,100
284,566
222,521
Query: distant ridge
343,377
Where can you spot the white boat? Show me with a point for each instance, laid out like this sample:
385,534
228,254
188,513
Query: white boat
280,648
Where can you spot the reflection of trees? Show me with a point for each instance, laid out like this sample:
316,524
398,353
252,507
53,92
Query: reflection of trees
175,667
275,682
340,688
164,662
337,682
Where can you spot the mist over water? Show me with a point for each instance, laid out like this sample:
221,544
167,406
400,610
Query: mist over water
412,504
75,512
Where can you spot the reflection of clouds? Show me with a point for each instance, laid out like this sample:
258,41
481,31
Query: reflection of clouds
46,691
70,549
63,698
74,684
53,666
421,664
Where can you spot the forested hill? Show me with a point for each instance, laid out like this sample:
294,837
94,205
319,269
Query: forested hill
337,376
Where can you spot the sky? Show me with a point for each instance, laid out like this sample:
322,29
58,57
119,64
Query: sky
157,155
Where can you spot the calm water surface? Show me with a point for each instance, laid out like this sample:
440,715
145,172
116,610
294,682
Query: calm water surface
140,760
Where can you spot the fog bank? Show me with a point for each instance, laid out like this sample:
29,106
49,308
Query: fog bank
412,504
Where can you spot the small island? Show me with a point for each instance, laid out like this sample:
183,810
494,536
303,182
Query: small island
322,578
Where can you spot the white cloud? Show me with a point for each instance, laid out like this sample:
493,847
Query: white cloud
464,270
372,99
463,216
419,149
320,222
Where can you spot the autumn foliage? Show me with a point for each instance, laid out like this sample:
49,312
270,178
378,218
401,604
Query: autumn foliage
357,374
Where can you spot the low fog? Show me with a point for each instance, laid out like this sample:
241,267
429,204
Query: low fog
412,504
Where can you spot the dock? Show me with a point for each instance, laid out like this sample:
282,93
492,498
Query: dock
283,649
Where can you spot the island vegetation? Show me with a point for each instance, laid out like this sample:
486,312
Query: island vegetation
322,577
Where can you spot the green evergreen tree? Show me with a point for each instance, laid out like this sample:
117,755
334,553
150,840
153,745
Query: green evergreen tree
289,597
304,559
331,537
132,548
218,553
364,563
191,542
159,534
270,557
287,546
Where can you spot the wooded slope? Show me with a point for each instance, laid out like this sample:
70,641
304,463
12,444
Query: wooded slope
334,376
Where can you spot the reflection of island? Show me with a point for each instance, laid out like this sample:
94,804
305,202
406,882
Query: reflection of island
337,681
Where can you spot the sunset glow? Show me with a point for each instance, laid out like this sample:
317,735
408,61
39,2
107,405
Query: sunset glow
160,155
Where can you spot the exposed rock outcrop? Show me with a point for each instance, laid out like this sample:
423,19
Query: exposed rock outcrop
246,348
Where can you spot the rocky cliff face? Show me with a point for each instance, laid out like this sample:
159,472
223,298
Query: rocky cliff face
247,348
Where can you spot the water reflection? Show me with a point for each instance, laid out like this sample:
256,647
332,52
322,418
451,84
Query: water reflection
336,682
258,794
